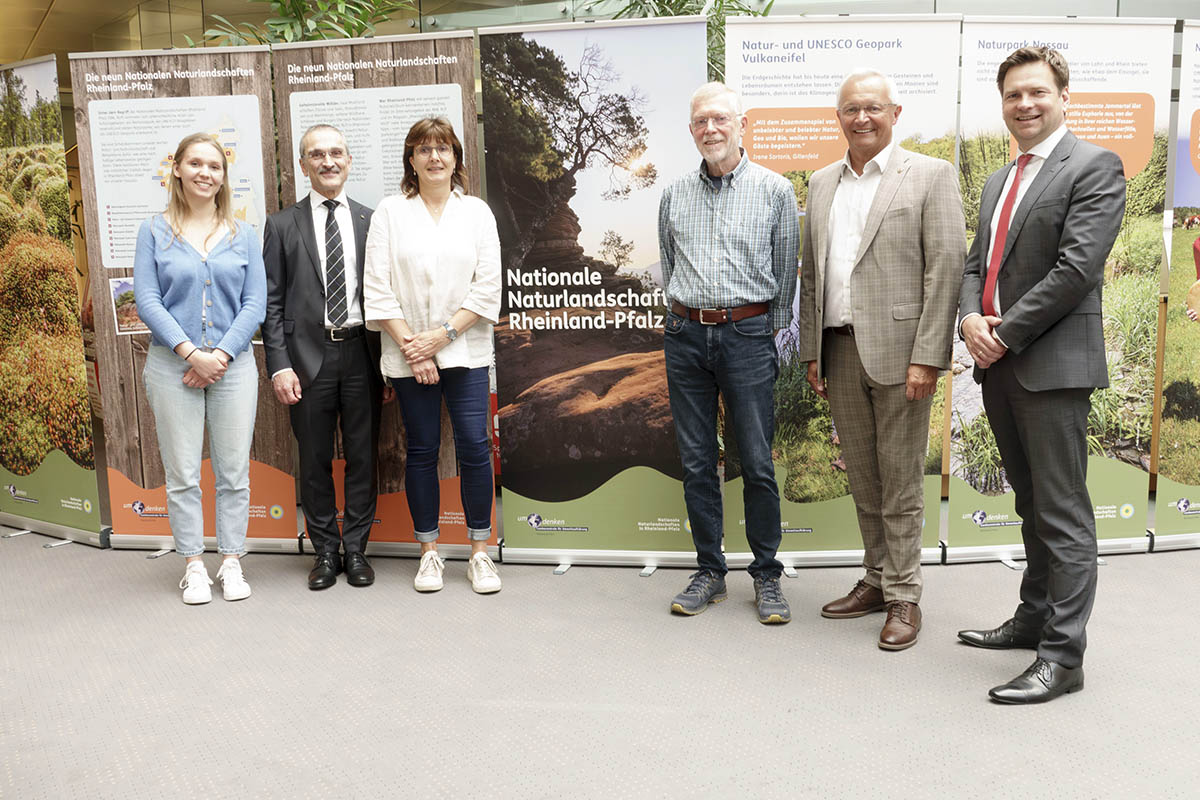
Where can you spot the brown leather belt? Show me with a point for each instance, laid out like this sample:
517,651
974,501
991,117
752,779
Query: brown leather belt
842,330
718,316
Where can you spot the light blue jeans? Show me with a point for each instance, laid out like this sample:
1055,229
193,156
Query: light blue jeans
180,413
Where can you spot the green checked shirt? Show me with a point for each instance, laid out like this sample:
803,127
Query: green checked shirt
731,246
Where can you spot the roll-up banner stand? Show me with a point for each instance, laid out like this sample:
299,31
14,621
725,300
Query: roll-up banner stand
1120,82
47,459
788,70
131,110
584,126
373,90
1177,506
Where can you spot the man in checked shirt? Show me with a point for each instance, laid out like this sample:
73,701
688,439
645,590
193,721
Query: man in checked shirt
729,235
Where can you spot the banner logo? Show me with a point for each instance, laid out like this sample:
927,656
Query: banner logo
276,512
980,518
19,494
1184,506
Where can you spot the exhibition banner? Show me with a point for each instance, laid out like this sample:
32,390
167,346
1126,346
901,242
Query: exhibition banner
131,110
789,70
47,462
373,90
1120,84
585,125
1177,510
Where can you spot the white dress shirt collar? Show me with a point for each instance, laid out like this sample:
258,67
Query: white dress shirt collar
317,199
880,160
1046,146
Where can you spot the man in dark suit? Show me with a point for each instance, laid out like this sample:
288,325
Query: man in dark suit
324,363
1031,319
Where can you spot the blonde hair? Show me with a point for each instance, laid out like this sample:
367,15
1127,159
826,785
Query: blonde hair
177,207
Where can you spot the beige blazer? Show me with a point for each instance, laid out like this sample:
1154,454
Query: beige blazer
905,283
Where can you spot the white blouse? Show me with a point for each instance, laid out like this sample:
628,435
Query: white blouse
423,271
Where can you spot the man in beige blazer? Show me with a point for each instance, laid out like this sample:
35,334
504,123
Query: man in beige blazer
884,245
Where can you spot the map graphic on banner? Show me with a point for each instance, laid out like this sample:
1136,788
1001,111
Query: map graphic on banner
1177,510
788,71
586,125
134,142
47,459
374,122
1120,80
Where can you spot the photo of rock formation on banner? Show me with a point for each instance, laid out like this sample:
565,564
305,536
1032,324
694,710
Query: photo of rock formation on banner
574,176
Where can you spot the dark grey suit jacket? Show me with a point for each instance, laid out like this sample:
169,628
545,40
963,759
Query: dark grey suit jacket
1053,269
293,332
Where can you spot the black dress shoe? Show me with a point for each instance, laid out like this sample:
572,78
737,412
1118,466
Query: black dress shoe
1007,637
358,571
325,571
1044,680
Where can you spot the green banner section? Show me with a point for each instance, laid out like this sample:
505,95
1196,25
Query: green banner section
820,526
1119,494
59,491
1177,509
637,509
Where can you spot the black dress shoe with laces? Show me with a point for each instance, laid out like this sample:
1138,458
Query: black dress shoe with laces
1044,680
1007,637
325,571
358,571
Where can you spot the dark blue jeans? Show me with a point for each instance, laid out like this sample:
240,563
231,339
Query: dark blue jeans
466,394
737,360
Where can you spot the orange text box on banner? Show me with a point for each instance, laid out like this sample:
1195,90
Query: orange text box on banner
792,139
1119,121
144,511
1194,140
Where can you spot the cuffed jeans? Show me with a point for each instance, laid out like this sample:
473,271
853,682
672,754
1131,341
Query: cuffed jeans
737,360
228,408
466,394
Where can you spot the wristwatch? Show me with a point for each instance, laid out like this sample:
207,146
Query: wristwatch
450,332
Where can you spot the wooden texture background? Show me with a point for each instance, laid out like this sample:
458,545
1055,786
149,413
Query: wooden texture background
391,438
130,442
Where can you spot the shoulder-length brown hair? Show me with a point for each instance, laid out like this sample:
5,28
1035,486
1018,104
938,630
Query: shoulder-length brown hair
432,130
177,207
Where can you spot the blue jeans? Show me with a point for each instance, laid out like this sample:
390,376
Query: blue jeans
228,408
466,394
739,361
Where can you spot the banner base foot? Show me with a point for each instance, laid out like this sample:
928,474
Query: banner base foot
1008,562
159,553
59,543
791,572
15,534
561,569
647,571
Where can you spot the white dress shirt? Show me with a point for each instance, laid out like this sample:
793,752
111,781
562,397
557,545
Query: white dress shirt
847,220
345,223
423,272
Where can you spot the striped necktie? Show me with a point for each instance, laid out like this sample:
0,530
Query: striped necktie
335,269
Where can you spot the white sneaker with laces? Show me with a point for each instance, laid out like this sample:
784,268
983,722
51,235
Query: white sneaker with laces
429,573
233,582
485,578
195,584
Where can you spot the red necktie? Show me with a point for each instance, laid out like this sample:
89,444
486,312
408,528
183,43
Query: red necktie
989,286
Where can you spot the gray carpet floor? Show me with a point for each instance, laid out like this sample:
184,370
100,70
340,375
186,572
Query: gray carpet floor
579,685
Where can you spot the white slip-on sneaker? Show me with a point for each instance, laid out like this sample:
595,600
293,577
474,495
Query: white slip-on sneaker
233,582
429,573
485,578
195,584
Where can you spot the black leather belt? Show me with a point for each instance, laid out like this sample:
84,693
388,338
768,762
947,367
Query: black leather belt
718,316
343,334
842,330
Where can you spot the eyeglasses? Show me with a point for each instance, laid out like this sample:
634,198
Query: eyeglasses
319,155
425,151
873,110
720,121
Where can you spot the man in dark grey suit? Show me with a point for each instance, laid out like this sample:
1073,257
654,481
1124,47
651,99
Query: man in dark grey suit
323,361
1031,319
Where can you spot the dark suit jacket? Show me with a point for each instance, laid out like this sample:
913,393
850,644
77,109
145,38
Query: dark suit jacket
1053,269
293,332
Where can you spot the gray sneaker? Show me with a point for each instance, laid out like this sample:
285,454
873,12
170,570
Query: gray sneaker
705,588
772,605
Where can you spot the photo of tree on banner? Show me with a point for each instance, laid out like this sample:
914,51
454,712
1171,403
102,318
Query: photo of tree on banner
576,153
43,384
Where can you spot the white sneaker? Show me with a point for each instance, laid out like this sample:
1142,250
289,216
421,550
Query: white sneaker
485,578
233,582
429,573
195,584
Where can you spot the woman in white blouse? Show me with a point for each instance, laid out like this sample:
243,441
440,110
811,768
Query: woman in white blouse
431,282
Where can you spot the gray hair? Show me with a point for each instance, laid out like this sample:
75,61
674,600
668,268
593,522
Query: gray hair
321,126
859,74
717,89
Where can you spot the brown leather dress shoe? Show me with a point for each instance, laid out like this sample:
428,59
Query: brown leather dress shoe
903,624
862,600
